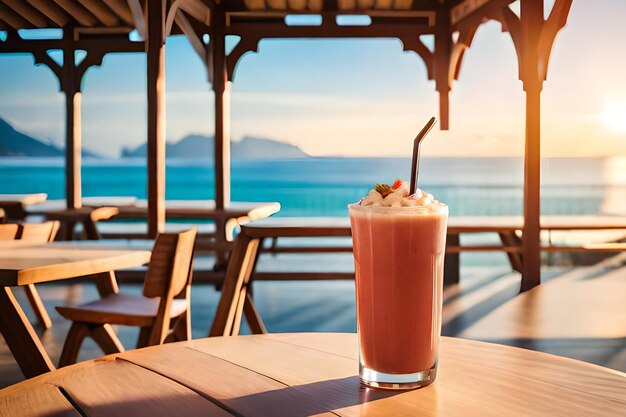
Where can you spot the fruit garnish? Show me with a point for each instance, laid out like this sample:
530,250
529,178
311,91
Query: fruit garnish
397,184
383,189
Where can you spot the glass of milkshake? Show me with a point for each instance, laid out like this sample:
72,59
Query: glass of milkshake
399,243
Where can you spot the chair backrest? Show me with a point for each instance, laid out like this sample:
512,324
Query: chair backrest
8,231
169,274
39,232
170,264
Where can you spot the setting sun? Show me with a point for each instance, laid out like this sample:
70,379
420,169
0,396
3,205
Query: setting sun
614,117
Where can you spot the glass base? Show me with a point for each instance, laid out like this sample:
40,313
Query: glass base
381,380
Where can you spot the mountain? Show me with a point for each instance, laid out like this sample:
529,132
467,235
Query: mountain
196,146
15,143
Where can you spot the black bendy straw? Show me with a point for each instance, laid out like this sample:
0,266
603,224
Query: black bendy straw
416,153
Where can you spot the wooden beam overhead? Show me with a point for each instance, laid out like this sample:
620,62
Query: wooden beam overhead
52,10
14,19
468,11
139,17
121,9
28,12
82,16
101,12
198,10
195,40
280,30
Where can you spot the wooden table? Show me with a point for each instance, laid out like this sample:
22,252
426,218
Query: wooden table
315,374
14,205
22,263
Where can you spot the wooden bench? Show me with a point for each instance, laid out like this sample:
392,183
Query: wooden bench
508,229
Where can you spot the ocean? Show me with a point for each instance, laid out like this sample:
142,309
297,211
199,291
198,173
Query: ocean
324,186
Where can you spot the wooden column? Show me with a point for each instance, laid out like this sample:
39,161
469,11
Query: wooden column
442,54
533,38
156,116
70,84
221,88
531,24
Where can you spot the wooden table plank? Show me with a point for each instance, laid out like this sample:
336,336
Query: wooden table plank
472,376
39,401
237,388
308,374
120,388
51,262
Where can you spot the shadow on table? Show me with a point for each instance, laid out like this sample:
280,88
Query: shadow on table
308,399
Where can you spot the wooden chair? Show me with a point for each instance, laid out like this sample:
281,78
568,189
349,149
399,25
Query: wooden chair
162,312
40,233
3,216
8,231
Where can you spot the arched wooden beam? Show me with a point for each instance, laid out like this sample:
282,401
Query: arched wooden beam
466,36
171,15
245,45
511,23
556,21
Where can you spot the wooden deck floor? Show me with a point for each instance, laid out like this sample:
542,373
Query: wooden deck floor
576,313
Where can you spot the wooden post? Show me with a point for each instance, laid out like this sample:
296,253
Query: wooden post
221,88
70,84
443,50
531,24
156,116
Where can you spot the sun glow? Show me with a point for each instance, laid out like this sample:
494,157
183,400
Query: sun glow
614,117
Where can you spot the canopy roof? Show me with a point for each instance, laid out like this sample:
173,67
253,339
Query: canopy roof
99,27
109,16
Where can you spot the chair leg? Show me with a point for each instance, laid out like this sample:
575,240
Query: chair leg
37,305
182,329
78,332
105,337
253,317
144,335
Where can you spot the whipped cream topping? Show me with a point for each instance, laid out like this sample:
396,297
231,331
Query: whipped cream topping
399,197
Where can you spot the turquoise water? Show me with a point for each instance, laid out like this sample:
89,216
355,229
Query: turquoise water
324,186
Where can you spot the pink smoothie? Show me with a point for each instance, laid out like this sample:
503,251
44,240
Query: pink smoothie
399,254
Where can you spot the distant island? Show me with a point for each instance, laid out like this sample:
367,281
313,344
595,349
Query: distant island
202,147
16,143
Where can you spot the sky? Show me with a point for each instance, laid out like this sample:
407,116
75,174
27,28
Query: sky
353,97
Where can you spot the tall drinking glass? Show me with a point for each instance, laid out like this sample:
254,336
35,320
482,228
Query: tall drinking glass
399,254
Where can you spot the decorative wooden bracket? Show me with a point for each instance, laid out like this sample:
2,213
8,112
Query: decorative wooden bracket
550,27
245,45
95,50
416,45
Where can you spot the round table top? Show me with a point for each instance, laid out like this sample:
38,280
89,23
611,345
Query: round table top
301,374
